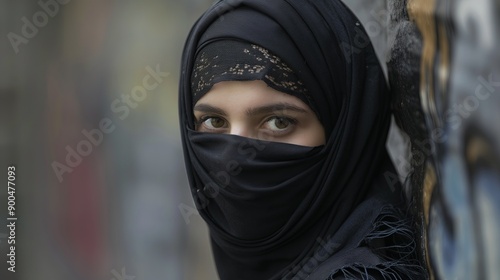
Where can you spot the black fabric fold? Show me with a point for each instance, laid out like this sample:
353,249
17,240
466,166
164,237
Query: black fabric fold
269,206
232,60
255,184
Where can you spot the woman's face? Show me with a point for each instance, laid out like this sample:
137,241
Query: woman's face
253,109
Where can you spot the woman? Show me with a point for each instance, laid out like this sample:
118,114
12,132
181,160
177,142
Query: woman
284,114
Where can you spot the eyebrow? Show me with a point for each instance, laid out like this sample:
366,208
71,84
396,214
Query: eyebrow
205,108
274,107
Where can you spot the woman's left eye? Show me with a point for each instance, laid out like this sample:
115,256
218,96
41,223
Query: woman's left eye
279,123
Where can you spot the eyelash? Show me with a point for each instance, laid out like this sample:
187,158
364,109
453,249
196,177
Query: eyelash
292,121
202,119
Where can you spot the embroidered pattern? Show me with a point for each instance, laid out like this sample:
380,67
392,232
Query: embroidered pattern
232,60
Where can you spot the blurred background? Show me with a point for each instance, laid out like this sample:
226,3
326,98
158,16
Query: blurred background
88,117
88,104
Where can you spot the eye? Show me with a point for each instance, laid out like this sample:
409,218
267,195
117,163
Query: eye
280,124
211,123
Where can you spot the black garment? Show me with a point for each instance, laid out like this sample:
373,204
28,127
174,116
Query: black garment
230,60
283,211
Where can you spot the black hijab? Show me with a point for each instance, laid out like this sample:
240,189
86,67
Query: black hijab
283,211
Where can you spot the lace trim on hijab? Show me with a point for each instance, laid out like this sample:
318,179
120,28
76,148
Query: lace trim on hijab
229,60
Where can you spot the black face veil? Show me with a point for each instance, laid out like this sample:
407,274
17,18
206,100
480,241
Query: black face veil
282,211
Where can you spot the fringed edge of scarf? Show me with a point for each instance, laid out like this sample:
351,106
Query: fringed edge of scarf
393,241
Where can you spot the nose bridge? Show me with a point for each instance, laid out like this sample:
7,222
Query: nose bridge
240,129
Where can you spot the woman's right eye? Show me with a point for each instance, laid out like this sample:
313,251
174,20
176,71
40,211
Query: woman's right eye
211,123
